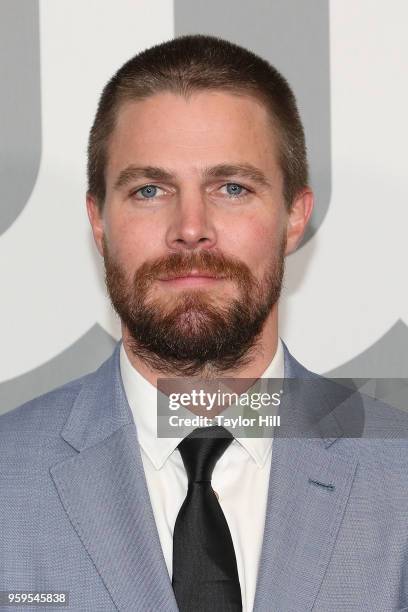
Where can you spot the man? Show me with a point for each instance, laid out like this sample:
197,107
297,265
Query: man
198,189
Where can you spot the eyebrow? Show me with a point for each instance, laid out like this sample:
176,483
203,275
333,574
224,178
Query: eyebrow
240,170
132,173
154,173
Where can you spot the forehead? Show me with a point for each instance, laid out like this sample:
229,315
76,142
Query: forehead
207,128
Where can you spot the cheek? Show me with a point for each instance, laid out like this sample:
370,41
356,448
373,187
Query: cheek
254,242
132,241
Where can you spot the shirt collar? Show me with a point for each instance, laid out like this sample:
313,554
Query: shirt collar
142,399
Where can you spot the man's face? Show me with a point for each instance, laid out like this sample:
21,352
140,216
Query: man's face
194,228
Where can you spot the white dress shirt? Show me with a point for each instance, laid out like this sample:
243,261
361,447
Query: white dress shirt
240,477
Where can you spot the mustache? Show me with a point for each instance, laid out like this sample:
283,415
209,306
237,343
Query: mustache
183,263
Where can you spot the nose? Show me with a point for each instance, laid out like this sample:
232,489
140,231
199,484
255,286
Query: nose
191,224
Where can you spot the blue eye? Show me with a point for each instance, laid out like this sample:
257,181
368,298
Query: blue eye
148,191
235,190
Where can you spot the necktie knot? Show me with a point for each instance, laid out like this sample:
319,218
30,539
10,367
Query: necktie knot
201,449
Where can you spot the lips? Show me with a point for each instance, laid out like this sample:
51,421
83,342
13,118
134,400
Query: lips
192,274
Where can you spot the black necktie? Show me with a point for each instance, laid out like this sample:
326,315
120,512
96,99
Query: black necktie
205,575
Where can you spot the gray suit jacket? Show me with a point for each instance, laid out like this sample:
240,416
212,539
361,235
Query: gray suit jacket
75,512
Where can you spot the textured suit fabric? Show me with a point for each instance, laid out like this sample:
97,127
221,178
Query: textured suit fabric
76,515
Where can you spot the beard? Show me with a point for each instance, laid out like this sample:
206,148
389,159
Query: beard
190,332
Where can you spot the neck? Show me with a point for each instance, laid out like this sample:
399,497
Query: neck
262,354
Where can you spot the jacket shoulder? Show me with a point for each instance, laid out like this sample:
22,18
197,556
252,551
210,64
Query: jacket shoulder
41,415
376,431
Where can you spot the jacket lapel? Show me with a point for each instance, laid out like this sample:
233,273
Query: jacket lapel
104,493
309,487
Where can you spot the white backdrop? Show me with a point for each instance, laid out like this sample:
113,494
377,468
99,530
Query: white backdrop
345,290
355,289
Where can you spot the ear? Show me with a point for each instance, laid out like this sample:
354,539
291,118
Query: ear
298,218
96,220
